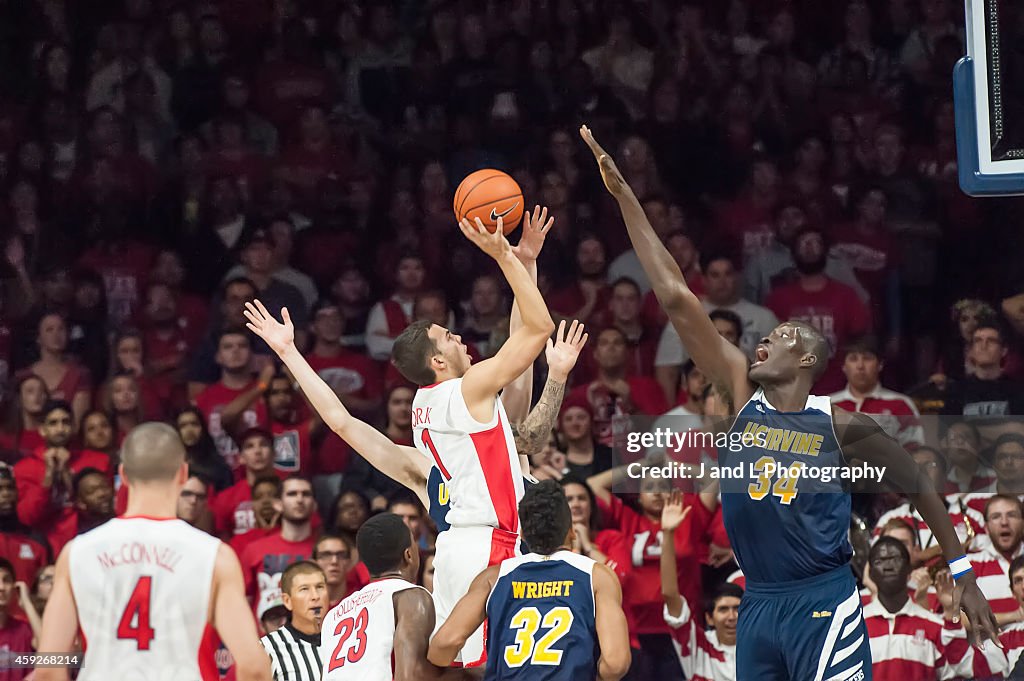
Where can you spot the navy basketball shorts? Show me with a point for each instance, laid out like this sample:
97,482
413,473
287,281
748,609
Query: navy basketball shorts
807,630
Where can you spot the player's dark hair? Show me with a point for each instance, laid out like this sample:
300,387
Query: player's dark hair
726,590
302,567
271,480
81,475
382,541
1003,497
1016,565
545,517
889,541
595,522
54,405
6,565
412,352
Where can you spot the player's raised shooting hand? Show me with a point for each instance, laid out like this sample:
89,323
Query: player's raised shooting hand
279,336
613,180
673,514
981,623
535,230
562,354
493,243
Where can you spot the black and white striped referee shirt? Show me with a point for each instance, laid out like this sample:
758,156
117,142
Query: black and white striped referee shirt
294,656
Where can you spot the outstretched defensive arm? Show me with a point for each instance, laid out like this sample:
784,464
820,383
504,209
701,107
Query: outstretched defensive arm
404,465
862,438
723,363
483,381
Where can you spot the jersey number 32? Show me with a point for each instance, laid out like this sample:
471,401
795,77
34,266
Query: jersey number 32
525,649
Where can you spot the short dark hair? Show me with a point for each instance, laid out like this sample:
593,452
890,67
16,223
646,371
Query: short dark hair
331,536
714,255
404,496
629,281
991,324
233,331
866,344
382,541
6,565
412,351
271,480
302,567
1015,565
889,541
237,280
545,517
1007,438
729,316
54,405
300,478
76,480
725,590
1003,497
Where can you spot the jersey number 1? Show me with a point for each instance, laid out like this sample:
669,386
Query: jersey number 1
343,631
137,611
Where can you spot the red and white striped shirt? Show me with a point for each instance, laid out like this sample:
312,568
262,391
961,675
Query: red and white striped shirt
983,477
992,570
913,518
1012,639
894,412
976,500
913,644
701,656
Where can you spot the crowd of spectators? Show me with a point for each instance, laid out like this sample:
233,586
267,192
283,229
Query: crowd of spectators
163,162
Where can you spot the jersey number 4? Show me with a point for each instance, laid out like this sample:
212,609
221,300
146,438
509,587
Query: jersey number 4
344,631
134,622
528,620
784,487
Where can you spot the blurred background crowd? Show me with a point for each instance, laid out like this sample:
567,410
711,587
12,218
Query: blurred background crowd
163,162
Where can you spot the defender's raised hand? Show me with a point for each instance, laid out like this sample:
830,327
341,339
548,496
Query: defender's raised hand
278,336
493,243
613,180
565,350
535,230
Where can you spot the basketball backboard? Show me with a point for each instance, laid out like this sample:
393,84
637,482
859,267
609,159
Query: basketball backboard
988,90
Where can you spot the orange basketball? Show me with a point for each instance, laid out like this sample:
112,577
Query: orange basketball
488,195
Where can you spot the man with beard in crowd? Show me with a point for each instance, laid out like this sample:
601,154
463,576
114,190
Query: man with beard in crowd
94,498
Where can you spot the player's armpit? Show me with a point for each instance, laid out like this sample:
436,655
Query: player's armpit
414,622
60,619
612,631
232,617
467,616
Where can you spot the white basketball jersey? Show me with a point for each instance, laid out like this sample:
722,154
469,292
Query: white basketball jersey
358,635
142,587
478,461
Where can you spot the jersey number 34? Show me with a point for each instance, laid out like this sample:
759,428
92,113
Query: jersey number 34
784,487
525,649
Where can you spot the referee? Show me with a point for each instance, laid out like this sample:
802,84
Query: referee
294,648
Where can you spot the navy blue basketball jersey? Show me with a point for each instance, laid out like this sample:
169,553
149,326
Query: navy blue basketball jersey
785,527
437,495
541,619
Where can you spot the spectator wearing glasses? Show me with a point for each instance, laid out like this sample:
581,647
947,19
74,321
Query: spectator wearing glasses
1008,458
1004,522
333,553
968,472
193,505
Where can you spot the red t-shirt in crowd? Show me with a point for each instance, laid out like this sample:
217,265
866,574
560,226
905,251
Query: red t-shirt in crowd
56,519
212,401
347,373
873,256
233,513
21,444
240,542
265,559
835,311
748,226
569,300
26,555
642,588
645,398
15,637
125,269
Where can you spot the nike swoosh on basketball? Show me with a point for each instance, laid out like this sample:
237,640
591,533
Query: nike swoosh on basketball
495,214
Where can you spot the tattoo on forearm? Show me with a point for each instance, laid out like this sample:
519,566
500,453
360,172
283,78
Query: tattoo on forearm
532,434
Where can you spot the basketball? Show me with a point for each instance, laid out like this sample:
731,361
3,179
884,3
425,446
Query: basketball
489,194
